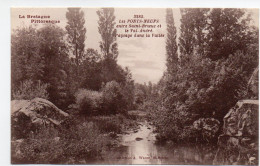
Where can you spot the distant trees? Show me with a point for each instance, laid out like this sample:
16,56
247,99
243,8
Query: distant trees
146,96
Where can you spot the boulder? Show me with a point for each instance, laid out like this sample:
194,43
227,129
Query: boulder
28,115
238,143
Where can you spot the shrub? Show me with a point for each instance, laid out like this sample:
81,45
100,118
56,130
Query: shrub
21,126
74,145
108,124
38,147
88,101
113,100
206,128
29,90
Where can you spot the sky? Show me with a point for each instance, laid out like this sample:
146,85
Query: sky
144,56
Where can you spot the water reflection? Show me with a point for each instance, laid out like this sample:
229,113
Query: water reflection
140,148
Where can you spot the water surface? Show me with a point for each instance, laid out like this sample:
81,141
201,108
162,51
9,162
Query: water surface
139,147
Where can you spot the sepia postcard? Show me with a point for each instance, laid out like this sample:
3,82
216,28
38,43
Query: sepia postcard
125,86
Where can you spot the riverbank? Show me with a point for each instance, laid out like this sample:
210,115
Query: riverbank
113,139
78,140
140,147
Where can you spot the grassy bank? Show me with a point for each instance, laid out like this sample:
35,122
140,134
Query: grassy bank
79,140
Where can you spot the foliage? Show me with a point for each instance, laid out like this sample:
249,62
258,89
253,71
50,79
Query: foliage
28,90
80,143
45,60
171,44
207,129
208,82
214,88
200,89
111,71
55,52
91,70
231,35
78,140
27,61
76,33
113,100
193,31
202,33
87,101
107,124
106,28
51,63
21,126
128,89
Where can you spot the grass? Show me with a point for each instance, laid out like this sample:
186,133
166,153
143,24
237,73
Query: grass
78,141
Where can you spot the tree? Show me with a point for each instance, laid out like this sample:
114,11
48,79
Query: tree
76,33
186,38
91,69
192,39
128,89
55,51
111,71
107,31
228,32
214,73
200,23
27,61
171,45
113,98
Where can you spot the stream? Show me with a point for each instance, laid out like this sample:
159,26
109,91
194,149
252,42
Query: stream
139,147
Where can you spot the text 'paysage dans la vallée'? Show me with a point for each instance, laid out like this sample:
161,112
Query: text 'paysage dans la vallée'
139,27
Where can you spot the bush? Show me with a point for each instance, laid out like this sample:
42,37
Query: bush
29,90
113,100
88,101
75,145
108,124
207,129
21,126
115,124
173,125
